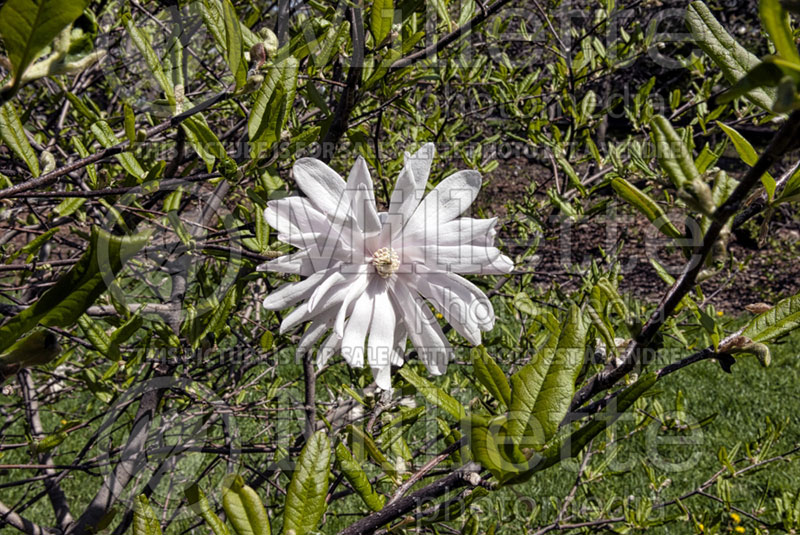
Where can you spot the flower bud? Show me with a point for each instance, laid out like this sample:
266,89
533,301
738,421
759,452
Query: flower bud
270,41
258,54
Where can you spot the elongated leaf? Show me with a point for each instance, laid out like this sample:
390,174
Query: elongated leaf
122,334
646,206
142,43
574,443
558,387
491,376
360,441
731,57
357,478
200,506
145,521
433,393
305,497
259,119
493,447
233,43
672,153
779,320
29,26
381,18
775,20
13,135
748,155
204,141
63,304
33,246
107,138
541,390
243,507
765,75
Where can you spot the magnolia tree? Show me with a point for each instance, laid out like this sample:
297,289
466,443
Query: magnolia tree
334,267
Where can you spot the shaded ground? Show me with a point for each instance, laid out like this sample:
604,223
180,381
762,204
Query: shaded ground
754,273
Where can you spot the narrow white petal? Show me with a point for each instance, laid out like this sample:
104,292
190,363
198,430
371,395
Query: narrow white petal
455,258
478,306
355,331
400,339
365,211
500,265
315,331
446,202
408,191
358,286
327,349
383,376
381,333
461,231
291,293
420,163
430,342
299,263
322,185
454,308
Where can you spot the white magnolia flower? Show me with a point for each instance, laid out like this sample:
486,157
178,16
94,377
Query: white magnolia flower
369,274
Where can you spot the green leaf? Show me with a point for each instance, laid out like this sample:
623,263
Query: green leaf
493,446
357,478
200,506
67,207
542,390
574,443
130,123
204,141
96,335
305,497
731,57
491,376
29,26
108,139
243,507
122,334
273,104
13,134
777,321
381,18
672,153
142,43
33,246
748,155
646,206
233,43
63,303
360,441
145,521
764,75
775,20
433,393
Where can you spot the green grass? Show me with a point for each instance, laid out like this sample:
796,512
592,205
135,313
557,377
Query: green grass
741,402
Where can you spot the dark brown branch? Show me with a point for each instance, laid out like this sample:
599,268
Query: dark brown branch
783,141
442,43
310,377
53,176
347,100
464,476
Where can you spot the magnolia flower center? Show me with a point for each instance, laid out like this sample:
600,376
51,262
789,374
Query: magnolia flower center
385,261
